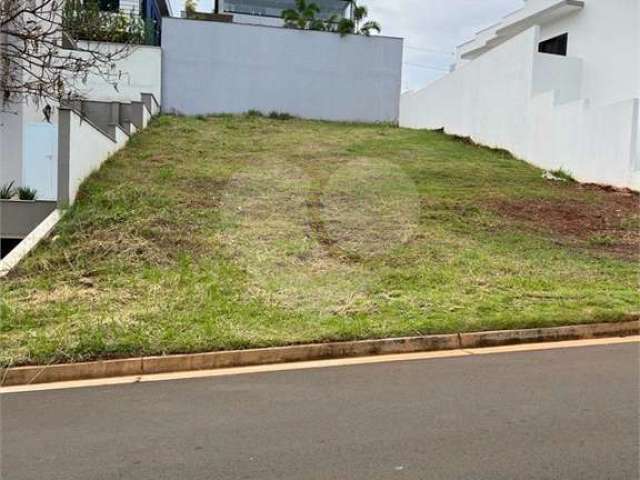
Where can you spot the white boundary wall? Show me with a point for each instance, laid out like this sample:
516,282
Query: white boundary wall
530,103
214,67
139,72
88,148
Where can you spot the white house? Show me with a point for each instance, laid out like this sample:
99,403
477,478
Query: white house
52,148
28,137
557,83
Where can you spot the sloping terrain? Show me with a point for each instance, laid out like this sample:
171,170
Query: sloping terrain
229,232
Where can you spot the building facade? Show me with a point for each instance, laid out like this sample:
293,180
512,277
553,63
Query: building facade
226,61
52,148
269,12
557,83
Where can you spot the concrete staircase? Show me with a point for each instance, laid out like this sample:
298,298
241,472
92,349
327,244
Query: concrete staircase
107,116
91,129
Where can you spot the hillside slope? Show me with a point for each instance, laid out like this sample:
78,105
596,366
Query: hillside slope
231,232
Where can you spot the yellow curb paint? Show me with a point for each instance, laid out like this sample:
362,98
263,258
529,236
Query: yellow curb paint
130,367
282,367
530,347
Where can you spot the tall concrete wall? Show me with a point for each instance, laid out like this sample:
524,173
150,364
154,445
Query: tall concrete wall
82,149
137,70
212,67
486,99
534,105
605,35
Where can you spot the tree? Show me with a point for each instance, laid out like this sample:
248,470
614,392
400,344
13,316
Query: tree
303,17
190,7
354,24
34,63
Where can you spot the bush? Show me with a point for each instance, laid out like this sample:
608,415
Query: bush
7,191
85,21
26,193
280,116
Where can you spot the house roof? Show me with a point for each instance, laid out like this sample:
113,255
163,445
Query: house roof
274,8
533,13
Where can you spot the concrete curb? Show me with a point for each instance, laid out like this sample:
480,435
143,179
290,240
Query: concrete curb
297,353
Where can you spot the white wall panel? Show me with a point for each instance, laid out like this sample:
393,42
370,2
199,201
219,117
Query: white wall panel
213,67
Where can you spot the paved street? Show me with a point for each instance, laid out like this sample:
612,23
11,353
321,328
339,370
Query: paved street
556,414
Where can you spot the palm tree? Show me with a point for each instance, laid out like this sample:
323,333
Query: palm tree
354,24
303,17
190,6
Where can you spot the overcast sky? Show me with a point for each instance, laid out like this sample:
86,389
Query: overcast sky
431,29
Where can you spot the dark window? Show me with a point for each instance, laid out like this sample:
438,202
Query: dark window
6,245
555,46
109,5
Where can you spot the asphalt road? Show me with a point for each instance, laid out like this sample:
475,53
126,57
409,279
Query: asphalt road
556,414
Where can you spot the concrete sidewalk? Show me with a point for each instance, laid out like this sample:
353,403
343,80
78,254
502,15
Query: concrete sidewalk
552,414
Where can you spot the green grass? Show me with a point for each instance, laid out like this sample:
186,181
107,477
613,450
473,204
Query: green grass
231,232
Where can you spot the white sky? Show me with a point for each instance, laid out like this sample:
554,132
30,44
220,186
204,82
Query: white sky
431,29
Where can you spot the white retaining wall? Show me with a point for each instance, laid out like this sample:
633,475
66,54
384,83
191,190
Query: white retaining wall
88,149
530,103
140,71
486,99
214,67
606,35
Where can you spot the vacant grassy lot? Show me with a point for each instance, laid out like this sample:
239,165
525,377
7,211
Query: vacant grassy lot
231,232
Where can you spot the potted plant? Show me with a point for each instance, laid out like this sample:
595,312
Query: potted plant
7,191
26,193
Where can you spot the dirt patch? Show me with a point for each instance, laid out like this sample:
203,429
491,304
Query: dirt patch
610,224
625,192
201,192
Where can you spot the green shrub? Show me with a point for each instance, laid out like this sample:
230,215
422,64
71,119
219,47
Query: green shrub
83,20
27,193
7,191
280,116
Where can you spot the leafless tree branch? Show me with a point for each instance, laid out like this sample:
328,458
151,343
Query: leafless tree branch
39,58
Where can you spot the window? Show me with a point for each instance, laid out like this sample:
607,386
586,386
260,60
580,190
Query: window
109,5
555,46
